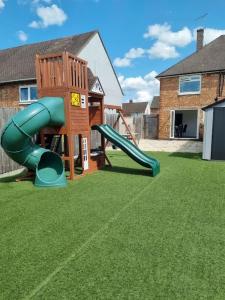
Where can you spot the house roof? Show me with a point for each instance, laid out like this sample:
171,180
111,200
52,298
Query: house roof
92,80
134,107
213,104
155,102
210,58
19,63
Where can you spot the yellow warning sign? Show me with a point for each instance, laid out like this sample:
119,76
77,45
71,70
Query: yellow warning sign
75,99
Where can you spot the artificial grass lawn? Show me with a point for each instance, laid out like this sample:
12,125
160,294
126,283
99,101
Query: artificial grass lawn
117,234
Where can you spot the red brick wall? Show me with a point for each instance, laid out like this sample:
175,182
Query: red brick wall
169,100
9,94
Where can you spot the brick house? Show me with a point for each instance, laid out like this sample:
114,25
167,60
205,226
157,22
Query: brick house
17,68
154,107
136,108
189,85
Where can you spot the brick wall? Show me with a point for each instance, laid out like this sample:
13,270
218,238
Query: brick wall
9,94
169,100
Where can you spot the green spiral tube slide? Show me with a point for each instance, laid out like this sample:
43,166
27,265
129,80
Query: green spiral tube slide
17,141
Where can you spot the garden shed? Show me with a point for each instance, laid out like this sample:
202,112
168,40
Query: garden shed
214,132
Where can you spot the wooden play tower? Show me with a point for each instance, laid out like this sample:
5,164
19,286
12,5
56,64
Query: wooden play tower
64,75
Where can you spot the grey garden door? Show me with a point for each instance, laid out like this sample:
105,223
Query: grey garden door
218,134
151,125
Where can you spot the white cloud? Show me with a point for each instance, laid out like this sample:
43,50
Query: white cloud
210,34
34,3
166,43
134,53
126,61
49,15
162,50
39,1
167,40
141,88
163,33
2,4
22,36
122,62
34,24
164,46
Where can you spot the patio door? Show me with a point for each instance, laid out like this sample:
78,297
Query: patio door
184,124
172,123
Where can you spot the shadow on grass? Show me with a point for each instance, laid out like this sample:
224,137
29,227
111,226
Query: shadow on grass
187,155
130,171
14,178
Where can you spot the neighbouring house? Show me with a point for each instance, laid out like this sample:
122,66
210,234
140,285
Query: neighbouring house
133,109
154,106
189,85
17,68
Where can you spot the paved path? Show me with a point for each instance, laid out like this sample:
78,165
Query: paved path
170,145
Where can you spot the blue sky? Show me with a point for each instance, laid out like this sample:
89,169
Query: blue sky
142,37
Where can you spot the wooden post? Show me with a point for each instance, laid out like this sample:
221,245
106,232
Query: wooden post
127,128
71,155
42,138
114,126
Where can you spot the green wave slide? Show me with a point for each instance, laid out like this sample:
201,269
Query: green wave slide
130,149
17,141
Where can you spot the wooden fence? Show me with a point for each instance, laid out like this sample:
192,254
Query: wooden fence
6,163
110,119
150,126
142,126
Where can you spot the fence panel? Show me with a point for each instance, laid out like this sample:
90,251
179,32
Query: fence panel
6,163
151,125
138,127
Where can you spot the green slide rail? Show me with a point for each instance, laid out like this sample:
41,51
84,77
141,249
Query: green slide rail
17,141
130,149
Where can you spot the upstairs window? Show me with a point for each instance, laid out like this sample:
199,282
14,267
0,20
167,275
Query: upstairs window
190,84
28,93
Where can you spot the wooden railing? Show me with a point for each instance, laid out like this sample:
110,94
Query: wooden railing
61,70
77,72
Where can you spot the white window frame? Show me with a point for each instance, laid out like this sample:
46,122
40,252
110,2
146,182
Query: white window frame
28,86
194,92
85,153
172,124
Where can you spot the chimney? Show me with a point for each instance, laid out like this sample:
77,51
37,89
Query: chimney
200,39
130,101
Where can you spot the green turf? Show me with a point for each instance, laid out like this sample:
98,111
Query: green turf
117,234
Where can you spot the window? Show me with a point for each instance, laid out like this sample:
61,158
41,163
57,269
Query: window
190,84
28,93
85,153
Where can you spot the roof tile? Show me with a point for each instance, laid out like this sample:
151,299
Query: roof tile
19,63
210,58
